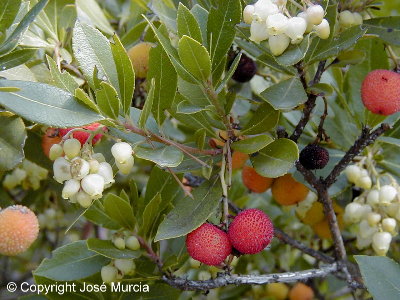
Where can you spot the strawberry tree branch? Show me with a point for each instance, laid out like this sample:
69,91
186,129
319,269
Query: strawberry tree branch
226,279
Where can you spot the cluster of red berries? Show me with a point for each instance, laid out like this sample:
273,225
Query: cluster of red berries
249,233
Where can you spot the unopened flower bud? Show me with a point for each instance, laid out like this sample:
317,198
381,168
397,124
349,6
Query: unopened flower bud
323,30
278,44
309,24
71,187
373,218
389,224
93,166
83,199
79,168
353,172
364,182
93,184
353,212
346,19
121,151
258,31
277,24
381,242
248,14
109,274
72,148
295,29
126,266
126,167
106,171
387,193
358,19
373,197
119,243
62,170
55,151
366,231
315,14
132,243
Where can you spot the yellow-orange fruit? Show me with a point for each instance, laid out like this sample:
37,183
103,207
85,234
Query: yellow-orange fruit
322,228
287,191
254,181
49,139
139,55
19,228
314,215
239,159
278,290
300,291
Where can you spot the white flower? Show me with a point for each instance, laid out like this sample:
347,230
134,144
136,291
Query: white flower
109,274
353,172
373,218
381,242
373,197
79,168
93,184
365,230
126,167
124,265
346,19
278,44
99,157
55,152
315,14
387,193
358,19
94,166
258,31
248,14
309,24
72,148
295,29
62,170
83,199
121,151
265,8
71,187
389,224
276,24
364,182
323,30
106,171
353,212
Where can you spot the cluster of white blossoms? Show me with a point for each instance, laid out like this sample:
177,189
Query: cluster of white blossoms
270,20
85,174
375,213
28,175
117,269
348,19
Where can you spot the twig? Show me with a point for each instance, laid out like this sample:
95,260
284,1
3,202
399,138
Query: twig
321,135
153,256
224,280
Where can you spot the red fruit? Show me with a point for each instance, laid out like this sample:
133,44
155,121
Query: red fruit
380,92
251,231
82,136
208,244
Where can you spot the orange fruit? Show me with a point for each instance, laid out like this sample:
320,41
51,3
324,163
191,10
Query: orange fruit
300,291
322,228
139,55
278,290
254,181
239,159
287,191
314,215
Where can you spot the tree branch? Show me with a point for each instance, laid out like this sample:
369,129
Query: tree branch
224,280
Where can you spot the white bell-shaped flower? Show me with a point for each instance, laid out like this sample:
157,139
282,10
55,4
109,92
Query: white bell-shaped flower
353,172
278,44
358,19
366,231
71,187
121,151
323,30
126,167
389,224
387,193
373,218
248,14
93,184
381,242
62,170
295,29
258,31
346,19
84,199
79,168
315,14
106,171
353,212
277,24
373,197
265,8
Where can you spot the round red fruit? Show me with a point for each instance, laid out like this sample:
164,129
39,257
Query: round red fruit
208,244
251,231
82,136
380,92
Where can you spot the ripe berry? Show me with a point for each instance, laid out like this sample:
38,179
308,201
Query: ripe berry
300,291
82,136
19,228
238,160
208,244
380,92
245,70
254,181
251,231
287,191
314,157
139,55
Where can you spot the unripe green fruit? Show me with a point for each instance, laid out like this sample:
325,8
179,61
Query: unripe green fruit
132,243
119,243
109,274
56,151
72,148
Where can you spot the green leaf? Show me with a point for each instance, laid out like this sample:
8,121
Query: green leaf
46,104
106,248
230,73
221,29
187,24
387,28
324,89
168,156
252,144
189,213
92,10
85,99
150,216
164,183
96,214
147,105
8,12
92,50
71,262
12,141
12,41
126,74
276,159
164,74
166,13
329,48
351,57
294,53
264,119
195,58
16,58
62,80
286,94
193,93
107,100
381,276
201,16
119,210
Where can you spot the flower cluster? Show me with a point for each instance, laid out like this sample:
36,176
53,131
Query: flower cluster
348,19
28,175
270,20
117,269
375,212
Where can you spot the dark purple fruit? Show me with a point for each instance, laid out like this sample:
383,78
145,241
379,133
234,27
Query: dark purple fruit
245,70
314,157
